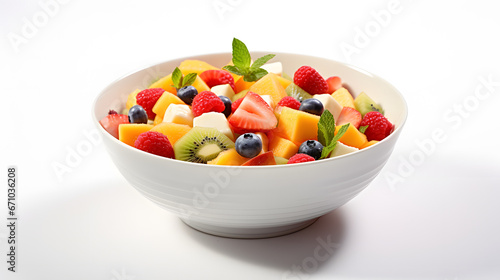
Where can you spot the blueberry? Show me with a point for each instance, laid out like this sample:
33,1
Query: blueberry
248,145
313,106
227,102
187,94
312,148
137,114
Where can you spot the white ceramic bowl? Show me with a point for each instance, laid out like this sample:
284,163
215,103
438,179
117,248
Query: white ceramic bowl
252,201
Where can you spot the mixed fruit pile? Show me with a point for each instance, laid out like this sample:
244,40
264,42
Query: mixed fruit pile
247,113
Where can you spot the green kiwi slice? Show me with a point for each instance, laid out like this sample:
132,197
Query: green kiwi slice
240,95
280,160
296,92
201,144
365,104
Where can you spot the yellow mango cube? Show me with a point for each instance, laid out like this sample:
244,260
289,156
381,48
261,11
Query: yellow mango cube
164,101
269,85
195,66
173,131
369,143
165,83
352,137
228,157
297,126
344,97
200,85
282,147
284,82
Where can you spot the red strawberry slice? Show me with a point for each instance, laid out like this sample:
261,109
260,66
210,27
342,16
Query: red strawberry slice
334,83
111,122
349,115
236,104
262,159
217,77
253,114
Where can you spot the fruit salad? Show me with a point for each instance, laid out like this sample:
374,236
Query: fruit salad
247,113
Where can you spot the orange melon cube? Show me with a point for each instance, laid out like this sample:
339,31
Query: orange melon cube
131,99
128,132
195,66
269,85
369,143
297,126
165,83
282,147
344,97
228,157
164,101
240,84
173,131
352,137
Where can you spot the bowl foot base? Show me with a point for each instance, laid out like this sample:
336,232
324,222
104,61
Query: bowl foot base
248,233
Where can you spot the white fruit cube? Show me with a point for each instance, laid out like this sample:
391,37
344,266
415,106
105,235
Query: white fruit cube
223,90
268,100
275,67
180,114
342,149
215,120
330,104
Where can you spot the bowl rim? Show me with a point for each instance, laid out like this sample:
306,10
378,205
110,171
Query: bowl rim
198,56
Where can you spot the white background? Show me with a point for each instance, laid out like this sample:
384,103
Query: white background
432,213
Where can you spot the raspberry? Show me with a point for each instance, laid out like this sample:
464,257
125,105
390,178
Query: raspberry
217,77
298,158
155,143
147,99
310,80
236,104
205,102
289,102
379,126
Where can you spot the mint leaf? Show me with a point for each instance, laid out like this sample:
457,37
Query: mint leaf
234,70
326,128
255,75
363,128
241,55
328,149
341,132
242,60
177,77
262,60
189,79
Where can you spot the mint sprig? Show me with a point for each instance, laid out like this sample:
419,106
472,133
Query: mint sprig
180,81
243,65
326,133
